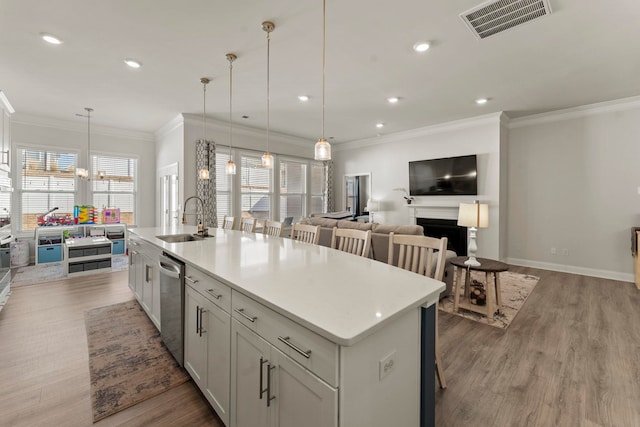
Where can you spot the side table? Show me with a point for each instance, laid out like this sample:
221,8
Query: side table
492,287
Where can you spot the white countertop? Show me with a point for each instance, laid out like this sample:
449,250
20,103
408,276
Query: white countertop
340,296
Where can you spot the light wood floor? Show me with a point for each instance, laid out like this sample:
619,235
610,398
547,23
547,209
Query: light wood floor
570,358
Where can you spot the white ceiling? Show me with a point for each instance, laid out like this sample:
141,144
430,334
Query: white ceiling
586,51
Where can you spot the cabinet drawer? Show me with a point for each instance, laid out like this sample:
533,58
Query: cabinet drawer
215,291
309,349
52,253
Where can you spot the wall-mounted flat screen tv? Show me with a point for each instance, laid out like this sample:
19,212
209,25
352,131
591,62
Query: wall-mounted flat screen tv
451,176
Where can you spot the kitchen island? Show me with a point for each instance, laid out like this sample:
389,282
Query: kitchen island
327,337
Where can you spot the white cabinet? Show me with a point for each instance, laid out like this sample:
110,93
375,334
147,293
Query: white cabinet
144,277
269,388
206,346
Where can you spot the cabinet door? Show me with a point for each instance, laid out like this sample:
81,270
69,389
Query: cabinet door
217,329
155,306
147,283
249,371
135,273
195,357
302,399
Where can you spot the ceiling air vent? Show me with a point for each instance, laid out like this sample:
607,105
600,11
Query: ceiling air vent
496,16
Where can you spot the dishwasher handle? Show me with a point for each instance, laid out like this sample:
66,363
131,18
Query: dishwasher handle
169,269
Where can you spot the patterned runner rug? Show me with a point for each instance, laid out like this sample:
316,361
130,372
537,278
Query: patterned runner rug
516,288
128,361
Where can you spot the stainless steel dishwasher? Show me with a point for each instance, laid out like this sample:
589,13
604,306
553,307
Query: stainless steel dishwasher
172,305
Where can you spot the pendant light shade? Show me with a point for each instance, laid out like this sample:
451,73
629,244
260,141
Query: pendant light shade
83,173
231,166
323,148
204,172
267,158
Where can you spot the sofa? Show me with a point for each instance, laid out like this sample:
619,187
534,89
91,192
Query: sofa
379,240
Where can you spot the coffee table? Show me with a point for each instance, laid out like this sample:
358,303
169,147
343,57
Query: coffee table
492,287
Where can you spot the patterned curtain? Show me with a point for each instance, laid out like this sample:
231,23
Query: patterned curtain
330,204
206,188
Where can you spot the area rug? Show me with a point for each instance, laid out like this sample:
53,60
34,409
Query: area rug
516,288
128,362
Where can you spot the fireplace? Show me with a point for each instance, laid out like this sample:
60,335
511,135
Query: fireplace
449,228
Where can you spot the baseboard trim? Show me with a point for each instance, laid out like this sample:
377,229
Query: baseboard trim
604,274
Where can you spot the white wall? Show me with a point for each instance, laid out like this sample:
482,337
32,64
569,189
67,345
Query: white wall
574,183
169,151
387,159
72,135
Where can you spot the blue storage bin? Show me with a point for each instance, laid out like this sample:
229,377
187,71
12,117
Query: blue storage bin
118,247
49,253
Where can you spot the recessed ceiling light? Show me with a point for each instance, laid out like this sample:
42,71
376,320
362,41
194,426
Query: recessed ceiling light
303,98
421,46
50,38
379,125
393,99
133,63
481,101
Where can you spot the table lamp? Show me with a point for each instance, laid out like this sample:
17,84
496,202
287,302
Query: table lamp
372,206
473,215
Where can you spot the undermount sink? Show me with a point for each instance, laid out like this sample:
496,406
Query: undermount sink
180,238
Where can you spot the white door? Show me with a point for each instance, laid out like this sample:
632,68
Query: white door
301,398
147,283
169,200
217,329
195,357
249,382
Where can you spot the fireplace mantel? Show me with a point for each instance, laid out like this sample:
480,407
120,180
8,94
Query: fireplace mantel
438,209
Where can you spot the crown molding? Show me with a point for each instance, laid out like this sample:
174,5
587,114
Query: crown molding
77,126
493,118
170,126
243,130
617,105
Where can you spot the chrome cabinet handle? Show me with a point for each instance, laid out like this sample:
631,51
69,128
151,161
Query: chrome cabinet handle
202,310
304,353
146,273
192,281
197,319
213,294
269,397
241,312
262,390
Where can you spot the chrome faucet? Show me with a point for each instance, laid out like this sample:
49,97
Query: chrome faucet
202,225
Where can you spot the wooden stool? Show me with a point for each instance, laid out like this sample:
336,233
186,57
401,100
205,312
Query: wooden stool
492,287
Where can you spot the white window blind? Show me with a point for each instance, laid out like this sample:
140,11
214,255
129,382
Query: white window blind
113,185
318,188
47,181
223,187
293,189
256,188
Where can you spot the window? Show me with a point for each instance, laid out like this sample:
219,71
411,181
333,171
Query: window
47,184
256,188
223,187
293,189
318,188
114,185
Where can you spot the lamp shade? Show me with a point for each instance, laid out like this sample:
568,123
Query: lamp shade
473,215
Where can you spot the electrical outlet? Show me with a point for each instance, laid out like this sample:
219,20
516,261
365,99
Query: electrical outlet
554,251
565,251
386,365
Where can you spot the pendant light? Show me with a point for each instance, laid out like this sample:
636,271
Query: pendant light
83,173
231,166
323,148
204,172
267,158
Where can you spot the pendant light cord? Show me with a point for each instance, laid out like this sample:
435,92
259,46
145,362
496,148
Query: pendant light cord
230,104
268,95
324,26
204,111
